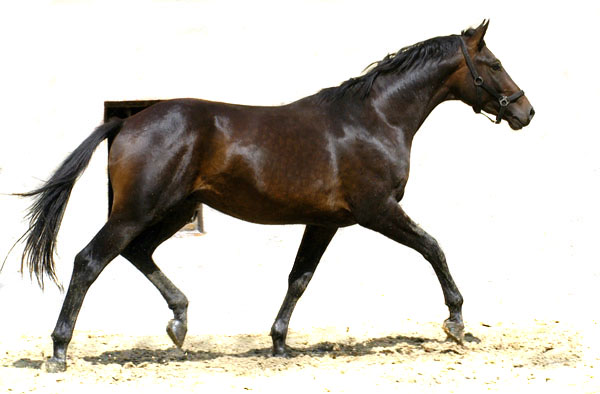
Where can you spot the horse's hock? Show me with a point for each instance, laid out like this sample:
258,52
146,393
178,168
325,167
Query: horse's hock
125,109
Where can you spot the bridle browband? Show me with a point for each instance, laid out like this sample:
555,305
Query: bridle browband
504,101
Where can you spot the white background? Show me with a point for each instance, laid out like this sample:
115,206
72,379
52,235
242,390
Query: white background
516,212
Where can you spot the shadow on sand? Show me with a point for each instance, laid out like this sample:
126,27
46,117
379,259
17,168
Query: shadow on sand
384,345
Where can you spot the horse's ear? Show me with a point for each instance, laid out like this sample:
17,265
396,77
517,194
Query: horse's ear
475,39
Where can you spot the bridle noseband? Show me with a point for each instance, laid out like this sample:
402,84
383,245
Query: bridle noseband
504,101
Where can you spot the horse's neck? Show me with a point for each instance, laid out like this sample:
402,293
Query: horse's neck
404,101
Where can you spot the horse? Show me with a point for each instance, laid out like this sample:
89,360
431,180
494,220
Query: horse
337,158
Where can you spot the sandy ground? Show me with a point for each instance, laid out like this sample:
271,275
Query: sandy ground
354,330
503,358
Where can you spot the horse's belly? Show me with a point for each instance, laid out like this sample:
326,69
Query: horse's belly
247,204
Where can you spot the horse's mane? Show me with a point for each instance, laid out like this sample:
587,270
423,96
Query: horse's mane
405,59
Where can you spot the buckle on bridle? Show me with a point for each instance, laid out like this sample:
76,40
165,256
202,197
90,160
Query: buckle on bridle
504,101
478,81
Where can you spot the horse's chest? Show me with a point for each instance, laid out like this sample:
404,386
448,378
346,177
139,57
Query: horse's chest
398,178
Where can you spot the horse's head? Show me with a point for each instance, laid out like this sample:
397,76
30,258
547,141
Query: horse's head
482,82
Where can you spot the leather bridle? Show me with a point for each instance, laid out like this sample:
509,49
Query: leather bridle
503,100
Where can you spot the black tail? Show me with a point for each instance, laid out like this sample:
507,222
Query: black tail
48,208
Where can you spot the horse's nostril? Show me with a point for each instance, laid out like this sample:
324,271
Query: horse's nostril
531,113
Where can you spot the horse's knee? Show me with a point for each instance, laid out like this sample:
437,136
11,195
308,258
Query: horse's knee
434,255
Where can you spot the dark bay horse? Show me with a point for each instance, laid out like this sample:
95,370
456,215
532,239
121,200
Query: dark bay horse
334,159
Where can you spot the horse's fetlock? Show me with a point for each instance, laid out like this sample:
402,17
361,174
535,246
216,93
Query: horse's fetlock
279,330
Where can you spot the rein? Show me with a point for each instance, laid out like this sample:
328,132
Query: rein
504,101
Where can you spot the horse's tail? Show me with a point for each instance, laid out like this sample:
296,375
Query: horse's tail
50,201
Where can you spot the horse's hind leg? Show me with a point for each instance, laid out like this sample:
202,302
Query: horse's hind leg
313,245
89,263
139,253
395,224
177,301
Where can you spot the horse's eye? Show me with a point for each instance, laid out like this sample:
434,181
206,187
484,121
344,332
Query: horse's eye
496,67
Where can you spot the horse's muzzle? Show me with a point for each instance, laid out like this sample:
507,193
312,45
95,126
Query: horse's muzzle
517,119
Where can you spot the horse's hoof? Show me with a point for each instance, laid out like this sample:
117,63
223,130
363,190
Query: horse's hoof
455,331
281,352
177,330
54,365
280,349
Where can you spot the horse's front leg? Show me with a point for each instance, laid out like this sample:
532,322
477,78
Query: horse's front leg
393,222
313,245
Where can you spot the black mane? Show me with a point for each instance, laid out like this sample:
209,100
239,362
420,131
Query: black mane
405,59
